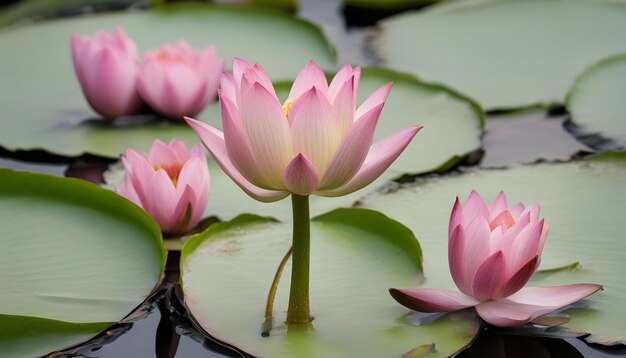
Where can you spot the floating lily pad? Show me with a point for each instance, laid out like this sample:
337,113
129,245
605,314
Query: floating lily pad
596,101
42,106
505,54
584,203
74,258
453,126
356,255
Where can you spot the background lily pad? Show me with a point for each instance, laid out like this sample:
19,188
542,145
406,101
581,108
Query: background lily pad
596,101
74,258
42,106
356,256
584,203
505,54
453,127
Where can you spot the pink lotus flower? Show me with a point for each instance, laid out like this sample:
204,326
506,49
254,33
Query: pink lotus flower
171,184
317,142
493,251
106,66
178,80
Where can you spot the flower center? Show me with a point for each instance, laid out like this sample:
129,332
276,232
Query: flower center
169,57
172,171
287,106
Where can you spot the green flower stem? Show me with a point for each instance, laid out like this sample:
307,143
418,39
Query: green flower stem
298,311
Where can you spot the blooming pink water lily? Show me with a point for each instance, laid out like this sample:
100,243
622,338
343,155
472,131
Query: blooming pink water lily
171,183
492,252
317,142
178,80
106,66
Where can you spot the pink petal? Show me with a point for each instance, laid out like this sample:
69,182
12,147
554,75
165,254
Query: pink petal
310,76
474,207
498,205
508,238
532,302
185,214
195,174
519,278
375,99
339,81
432,300
127,191
489,277
300,176
504,220
352,151
345,104
257,74
214,142
456,248
456,217
139,173
239,68
477,247
380,156
525,246
161,153
314,129
264,120
517,210
162,200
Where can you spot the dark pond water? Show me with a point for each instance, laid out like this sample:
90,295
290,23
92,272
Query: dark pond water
161,328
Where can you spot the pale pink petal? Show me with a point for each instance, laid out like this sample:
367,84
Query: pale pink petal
264,120
517,210
525,246
339,81
314,129
300,176
239,147
473,207
179,148
456,248
310,76
161,153
352,151
432,300
239,68
498,205
344,105
139,173
227,87
257,74
214,142
195,174
519,278
504,220
375,99
380,156
532,302
508,238
489,277
127,191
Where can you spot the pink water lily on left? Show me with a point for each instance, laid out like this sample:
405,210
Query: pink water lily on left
493,251
171,183
315,143
106,67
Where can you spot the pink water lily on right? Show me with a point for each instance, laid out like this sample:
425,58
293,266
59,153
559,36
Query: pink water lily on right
493,251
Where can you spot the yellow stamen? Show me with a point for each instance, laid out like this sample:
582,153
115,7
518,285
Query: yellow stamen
287,106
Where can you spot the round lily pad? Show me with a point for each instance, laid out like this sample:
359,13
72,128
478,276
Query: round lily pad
356,255
452,123
505,54
584,203
75,258
596,101
42,106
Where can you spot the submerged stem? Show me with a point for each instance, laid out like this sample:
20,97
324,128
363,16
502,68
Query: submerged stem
298,311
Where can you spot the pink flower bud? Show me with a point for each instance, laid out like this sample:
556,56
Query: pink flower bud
171,183
178,80
106,66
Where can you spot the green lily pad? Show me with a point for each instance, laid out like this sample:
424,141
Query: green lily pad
453,126
74,258
388,4
42,106
505,54
596,101
356,255
584,203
